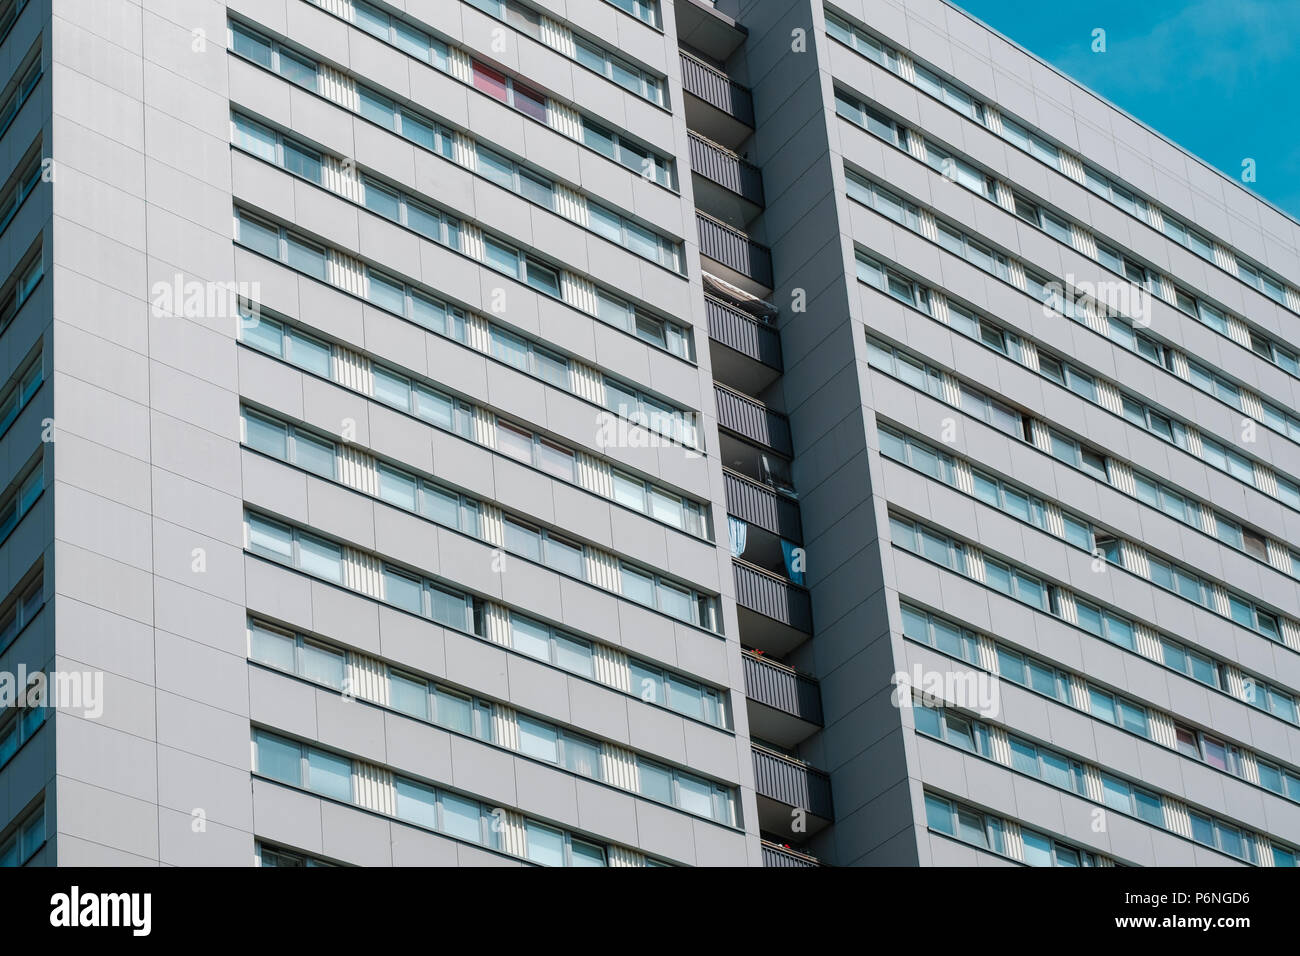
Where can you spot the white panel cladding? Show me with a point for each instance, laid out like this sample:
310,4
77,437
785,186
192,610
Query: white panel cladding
558,37
1072,167
505,726
374,788
363,572
358,470
491,526
1103,860
1134,558
1263,849
463,152
1293,299
563,119
1177,819
1042,437
1000,745
478,333
341,177
1053,518
1238,331
1093,318
352,370
1278,555
619,767
485,427
338,88
1219,599
962,476
939,307
906,68
1029,355
1079,693
1016,274
975,564
1121,476
986,653
1162,729
1251,404
611,667
514,838
1205,519
1013,839
1065,604
1181,368
621,856
346,273
1165,288
1194,445
1083,240
915,145
951,389
602,569
1092,783
587,382
1109,397
367,678
471,240
1156,217
1147,642
459,64
496,623
1005,198
1265,479
926,222
1290,633
1225,260
595,475
1249,767
578,292
340,8
1236,684
571,205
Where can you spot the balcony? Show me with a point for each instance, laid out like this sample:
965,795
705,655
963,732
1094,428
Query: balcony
752,420
784,706
775,855
716,105
739,260
726,187
700,24
784,785
762,507
775,616
750,359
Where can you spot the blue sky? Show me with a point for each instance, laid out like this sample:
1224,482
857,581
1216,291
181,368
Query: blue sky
1219,77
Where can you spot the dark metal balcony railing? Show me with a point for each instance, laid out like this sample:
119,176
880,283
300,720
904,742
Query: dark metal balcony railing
772,597
717,89
734,249
782,688
742,332
725,168
759,505
753,420
792,783
774,855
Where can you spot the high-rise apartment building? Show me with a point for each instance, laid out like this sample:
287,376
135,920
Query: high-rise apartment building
631,433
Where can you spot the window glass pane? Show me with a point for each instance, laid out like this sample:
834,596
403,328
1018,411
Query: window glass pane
447,607
638,587
515,442
545,845
440,506
523,540
259,236
416,803
573,655
461,818
403,591
271,647
323,665
302,161
564,557
314,454
694,795
555,460
266,436
656,781
529,637
310,354
453,711
538,740
938,815
321,558
279,759
409,695
270,538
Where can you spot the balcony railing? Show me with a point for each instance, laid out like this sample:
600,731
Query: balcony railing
743,333
717,89
734,249
725,168
774,855
792,783
761,506
772,597
752,420
782,688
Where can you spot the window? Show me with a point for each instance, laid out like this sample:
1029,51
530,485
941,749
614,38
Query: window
666,689
544,643
645,163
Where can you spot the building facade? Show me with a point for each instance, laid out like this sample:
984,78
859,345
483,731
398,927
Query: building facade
631,433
